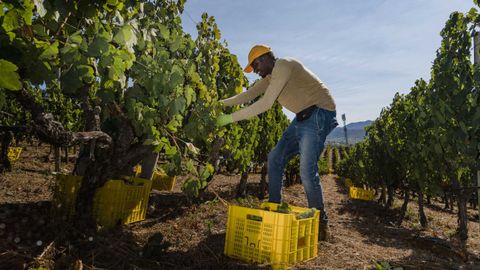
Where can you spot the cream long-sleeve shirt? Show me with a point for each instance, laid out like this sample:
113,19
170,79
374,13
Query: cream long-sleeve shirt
291,83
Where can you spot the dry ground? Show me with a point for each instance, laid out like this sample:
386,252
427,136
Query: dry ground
180,234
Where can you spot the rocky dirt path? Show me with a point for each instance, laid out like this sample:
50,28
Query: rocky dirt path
186,235
363,233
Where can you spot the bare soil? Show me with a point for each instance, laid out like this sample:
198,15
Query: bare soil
183,234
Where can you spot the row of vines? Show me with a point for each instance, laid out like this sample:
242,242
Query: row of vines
122,80
427,141
330,158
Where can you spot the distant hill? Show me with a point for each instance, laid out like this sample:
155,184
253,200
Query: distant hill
355,132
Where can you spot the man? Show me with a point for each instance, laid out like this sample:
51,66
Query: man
302,92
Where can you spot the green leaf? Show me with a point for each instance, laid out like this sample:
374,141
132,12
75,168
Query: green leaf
11,36
98,47
70,54
164,32
39,30
207,171
189,95
176,44
190,167
176,77
27,13
123,35
75,38
40,7
50,52
173,125
126,37
9,78
191,187
169,149
116,71
378,266
177,106
56,16
77,76
360,164
12,20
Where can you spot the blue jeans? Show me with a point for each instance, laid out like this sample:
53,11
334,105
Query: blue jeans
306,138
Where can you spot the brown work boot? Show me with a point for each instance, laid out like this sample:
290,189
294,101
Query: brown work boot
323,232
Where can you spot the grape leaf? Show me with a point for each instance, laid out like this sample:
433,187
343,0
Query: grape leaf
9,78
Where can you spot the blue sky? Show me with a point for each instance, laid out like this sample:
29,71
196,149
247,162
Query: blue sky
364,51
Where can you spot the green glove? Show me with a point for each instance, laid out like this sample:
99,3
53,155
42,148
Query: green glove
224,119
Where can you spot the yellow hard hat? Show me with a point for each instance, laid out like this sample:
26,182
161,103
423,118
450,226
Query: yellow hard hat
255,52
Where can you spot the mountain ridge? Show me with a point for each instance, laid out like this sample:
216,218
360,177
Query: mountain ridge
355,132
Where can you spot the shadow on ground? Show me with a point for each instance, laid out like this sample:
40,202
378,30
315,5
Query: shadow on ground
376,224
25,229
208,254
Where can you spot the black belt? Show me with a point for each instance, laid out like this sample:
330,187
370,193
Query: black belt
306,113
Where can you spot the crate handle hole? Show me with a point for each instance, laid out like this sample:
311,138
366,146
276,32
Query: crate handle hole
301,242
255,218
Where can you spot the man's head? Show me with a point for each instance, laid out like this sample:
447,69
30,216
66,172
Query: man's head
261,60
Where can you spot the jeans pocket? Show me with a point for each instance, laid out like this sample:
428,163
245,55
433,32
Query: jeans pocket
328,122
333,124
320,121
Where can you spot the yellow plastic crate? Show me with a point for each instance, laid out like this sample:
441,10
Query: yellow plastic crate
162,181
348,182
361,194
262,236
14,153
65,195
117,202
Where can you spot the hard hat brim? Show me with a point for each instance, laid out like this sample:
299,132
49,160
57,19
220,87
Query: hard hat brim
248,69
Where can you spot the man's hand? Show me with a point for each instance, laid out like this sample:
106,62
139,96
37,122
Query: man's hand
224,119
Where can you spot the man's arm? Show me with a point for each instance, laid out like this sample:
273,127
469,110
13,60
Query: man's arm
280,76
257,89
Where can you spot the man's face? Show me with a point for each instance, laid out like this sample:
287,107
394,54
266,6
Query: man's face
262,66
